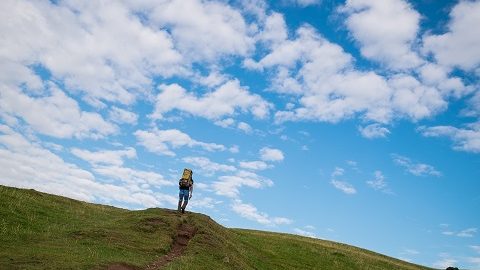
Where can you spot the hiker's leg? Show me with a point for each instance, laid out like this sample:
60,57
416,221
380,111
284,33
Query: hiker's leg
180,199
185,202
179,205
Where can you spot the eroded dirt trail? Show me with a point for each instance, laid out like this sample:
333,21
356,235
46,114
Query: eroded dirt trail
184,233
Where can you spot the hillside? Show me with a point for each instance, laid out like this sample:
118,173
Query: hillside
42,231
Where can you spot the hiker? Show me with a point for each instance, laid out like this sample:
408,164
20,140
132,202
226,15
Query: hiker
186,188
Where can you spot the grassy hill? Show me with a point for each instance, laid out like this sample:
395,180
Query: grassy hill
42,231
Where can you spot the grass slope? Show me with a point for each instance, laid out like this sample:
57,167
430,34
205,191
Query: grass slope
42,231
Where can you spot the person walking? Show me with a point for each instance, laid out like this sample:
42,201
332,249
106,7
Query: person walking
186,188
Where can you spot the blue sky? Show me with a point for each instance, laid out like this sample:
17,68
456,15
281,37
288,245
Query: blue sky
352,121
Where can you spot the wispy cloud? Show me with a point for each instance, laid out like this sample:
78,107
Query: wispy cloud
105,157
208,167
204,203
338,171
468,233
121,116
38,168
162,141
62,116
465,139
224,101
250,212
245,127
379,183
418,169
444,263
254,165
374,131
229,185
345,187
271,154
304,233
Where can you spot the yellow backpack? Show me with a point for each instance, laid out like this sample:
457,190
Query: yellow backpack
186,180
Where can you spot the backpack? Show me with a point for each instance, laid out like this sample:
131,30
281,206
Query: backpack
186,181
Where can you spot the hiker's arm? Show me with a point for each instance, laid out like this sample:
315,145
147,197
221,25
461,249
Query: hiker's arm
191,191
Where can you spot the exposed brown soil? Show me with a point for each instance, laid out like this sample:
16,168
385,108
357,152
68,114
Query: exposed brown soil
184,233
122,266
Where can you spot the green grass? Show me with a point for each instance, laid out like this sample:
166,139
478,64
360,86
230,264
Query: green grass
42,231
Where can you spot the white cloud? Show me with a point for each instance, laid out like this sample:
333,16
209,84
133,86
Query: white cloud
204,202
245,127
444,263
229,185
234,149
476,248
202,186
224,101
227,122
54,114
418,169
162,141
470,232
230,123
345,187
110,163
330,89
458,46
274,31
213,79
304,233
414,99
271,154
81,44
379,183
352,163
465,139
250,212
31,166
323,78
207,166
201,30
475,261
437,76
473,108
105,157
338,172
132,176
374,131
386,30
282,221
121,116
254,165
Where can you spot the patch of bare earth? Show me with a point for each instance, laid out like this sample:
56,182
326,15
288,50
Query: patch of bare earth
122,266
184,233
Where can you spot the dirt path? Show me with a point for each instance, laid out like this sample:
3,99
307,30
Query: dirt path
184,233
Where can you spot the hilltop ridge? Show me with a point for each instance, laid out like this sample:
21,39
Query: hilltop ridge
40,230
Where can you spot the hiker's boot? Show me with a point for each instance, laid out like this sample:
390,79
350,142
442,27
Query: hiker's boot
183,210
